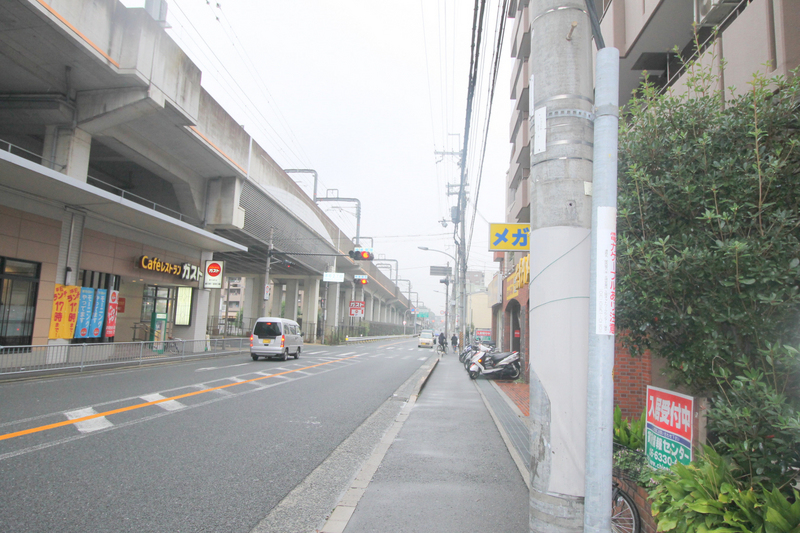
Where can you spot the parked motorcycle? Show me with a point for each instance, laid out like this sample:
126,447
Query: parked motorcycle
471,352
504,365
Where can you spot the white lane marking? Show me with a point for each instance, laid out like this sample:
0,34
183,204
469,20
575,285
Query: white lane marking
88,426
421,358
169,405
205,369
203,386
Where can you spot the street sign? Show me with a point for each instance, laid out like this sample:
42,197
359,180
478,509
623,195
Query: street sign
509,237
441,271
668,433
214,274
357,309
333,277
360,276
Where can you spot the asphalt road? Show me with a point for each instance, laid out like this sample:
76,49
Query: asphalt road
227,440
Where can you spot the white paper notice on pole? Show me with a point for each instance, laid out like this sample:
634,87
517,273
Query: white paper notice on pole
606,270
540,130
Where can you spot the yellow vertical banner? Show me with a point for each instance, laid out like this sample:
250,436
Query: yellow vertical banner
65,311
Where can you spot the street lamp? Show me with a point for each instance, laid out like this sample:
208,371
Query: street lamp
432,250
460,300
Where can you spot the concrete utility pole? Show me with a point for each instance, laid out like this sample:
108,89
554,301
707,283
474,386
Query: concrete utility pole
267,295
561,107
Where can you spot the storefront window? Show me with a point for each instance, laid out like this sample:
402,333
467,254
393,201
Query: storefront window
160,300
19,285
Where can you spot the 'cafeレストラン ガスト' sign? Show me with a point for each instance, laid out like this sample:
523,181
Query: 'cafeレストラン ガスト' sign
185,271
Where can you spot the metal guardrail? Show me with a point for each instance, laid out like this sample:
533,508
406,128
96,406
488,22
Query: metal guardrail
100,184
32,359
352,340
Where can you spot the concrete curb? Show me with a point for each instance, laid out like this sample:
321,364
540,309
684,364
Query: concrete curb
523,469
511,404
344,510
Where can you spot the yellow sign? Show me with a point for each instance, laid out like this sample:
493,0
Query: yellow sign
512,290
519,278
156,265
509,237
65,311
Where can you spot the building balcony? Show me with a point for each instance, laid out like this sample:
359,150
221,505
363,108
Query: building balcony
521,42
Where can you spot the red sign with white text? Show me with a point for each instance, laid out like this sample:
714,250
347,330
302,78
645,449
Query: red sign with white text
111,314
357,308
670,411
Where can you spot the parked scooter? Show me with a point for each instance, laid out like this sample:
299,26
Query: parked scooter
504,365
472,352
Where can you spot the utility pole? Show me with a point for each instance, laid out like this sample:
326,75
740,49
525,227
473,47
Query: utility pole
265,301
561,122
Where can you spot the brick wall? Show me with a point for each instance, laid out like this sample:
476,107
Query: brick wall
632,375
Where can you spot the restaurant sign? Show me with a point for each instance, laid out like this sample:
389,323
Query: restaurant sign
186,271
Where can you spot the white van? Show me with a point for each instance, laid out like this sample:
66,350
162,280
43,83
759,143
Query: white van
275,337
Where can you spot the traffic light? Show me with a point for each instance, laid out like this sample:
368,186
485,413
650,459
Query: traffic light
363,281
446,281
359,254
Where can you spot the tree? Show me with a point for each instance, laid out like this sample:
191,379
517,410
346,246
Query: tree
709,244
708,260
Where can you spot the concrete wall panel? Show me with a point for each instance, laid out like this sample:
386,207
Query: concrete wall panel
745,45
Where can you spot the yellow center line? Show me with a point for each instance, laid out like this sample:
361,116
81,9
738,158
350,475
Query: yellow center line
140,405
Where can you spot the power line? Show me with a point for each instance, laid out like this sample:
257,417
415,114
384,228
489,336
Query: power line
501,23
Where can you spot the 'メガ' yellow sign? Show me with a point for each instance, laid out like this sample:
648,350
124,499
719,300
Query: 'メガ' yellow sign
509,237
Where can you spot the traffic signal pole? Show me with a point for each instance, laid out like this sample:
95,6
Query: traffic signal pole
560,110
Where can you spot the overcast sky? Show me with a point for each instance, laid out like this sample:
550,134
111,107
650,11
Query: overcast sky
365,92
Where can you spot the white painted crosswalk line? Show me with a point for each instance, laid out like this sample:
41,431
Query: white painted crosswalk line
87,426
169,405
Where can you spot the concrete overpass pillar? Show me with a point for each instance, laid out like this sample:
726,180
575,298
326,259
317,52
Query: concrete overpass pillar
253,297
292,294
348,295
200,313
276,298
310,308
368,298
67,151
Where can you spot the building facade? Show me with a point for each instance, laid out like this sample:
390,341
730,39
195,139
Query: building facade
122,179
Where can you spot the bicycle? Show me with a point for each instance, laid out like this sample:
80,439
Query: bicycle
172,345
624,515
441,349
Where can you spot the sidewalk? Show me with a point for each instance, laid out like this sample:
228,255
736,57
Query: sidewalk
451,463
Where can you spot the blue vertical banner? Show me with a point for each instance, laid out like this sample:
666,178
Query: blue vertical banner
84,313
96,324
